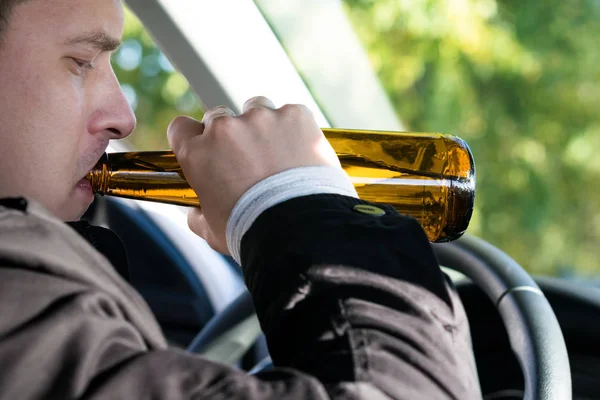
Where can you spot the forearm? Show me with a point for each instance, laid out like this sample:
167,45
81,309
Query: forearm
348,297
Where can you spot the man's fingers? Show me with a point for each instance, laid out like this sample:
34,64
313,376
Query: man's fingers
197,224
214,113
181,130
258,101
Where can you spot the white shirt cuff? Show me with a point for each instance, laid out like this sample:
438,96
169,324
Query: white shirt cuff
286,185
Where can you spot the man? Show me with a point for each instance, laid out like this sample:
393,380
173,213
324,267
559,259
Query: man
353,305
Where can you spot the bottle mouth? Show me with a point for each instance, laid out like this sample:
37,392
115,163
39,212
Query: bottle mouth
98,175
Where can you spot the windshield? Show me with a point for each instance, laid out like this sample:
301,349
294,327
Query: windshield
519,81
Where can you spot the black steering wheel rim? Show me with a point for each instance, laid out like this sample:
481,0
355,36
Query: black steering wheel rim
533,330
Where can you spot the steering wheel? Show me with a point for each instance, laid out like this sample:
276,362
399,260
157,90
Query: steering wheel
533,330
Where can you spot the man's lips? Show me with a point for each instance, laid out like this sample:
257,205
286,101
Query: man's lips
97,159
85,187
84,184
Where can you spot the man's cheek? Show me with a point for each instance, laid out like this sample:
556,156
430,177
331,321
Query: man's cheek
69,126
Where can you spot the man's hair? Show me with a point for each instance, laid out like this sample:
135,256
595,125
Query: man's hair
6,8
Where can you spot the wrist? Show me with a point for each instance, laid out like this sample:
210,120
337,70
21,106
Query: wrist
286,185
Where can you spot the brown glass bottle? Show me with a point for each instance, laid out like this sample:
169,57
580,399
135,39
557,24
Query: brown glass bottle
429,176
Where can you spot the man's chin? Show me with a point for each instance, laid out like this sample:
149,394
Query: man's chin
78,203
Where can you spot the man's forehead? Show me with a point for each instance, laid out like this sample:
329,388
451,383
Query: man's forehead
93,21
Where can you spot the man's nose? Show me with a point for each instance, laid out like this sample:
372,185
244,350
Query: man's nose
125,120
113,114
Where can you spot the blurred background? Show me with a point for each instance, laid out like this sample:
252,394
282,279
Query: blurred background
519,81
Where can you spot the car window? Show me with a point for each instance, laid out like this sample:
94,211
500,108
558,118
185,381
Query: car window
155,90
517,80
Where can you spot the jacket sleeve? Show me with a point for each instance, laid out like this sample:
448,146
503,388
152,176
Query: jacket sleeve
353,306
358,301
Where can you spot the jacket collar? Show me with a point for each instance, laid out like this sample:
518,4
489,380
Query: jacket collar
102,239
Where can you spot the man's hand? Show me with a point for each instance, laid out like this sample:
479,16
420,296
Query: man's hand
226,155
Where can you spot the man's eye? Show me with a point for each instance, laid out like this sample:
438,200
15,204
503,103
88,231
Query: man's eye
82,64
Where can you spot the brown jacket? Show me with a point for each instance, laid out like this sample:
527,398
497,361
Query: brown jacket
71,327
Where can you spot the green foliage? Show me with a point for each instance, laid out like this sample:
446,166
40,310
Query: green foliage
157,92
520,82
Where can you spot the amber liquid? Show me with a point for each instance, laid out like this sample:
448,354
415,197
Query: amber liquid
429,176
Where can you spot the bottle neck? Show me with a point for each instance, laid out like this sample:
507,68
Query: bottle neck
99,176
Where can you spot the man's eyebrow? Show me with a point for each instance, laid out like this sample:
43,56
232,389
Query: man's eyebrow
99,40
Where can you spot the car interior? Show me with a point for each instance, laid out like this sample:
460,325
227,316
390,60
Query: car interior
534,337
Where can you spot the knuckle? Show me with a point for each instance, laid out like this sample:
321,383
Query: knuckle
258,101
223,124
293,111
261,99
255,99
216,112
258,113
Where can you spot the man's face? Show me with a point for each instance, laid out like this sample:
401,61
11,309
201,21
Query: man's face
60,101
